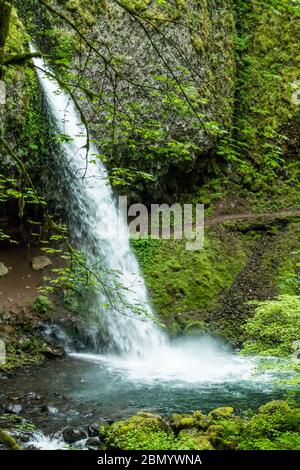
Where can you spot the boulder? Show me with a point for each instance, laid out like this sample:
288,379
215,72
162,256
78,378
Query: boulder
184,421
196,442
8,441
72,435
276,406
40,262
3,269
51,410
179,422
138,432
93,443
223,412
13,409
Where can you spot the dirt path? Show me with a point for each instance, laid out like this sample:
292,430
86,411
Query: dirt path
220,219
20,285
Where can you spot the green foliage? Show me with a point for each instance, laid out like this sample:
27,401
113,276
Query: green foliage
145,247
142,432
275,426
268,63
43,305
274,327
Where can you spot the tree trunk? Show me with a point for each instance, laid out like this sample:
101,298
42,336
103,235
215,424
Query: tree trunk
5,11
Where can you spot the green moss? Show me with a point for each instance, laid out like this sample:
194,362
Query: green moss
221,413
268,45
275,426
144,431
185,285
194,443
8,441
17,40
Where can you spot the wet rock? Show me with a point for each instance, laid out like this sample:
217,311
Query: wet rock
8,441
93,429
3,269
40,262
51,410
72,435
13,409
32,396
52,351
93,443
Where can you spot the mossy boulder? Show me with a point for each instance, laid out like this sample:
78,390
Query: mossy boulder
145,431
215,429
275,406
185,421
194,443
221,413
8,441
179,422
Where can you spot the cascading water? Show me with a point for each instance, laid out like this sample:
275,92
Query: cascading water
93,203
136,345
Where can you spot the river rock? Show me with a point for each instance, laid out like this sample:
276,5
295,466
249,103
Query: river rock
13,409
3,269
40,262
53,351
51,410
93,429
32,396
72,435
93,443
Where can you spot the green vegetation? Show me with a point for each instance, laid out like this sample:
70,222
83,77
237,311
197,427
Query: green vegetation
275,426
185,286
43,305
8,441
274,327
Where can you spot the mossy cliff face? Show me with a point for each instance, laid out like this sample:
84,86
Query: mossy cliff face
25,131
168,91
267,119
275,427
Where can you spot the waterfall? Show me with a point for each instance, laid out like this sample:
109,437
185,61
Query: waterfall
93,220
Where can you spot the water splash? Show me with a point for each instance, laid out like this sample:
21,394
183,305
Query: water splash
201,360
40,441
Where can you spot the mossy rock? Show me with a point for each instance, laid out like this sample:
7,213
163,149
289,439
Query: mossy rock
141,432
8,441
275,406
188,432
184,421
196,327
195,443
179,422
221,413
216,429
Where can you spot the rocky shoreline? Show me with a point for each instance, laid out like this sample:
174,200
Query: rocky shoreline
276,425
